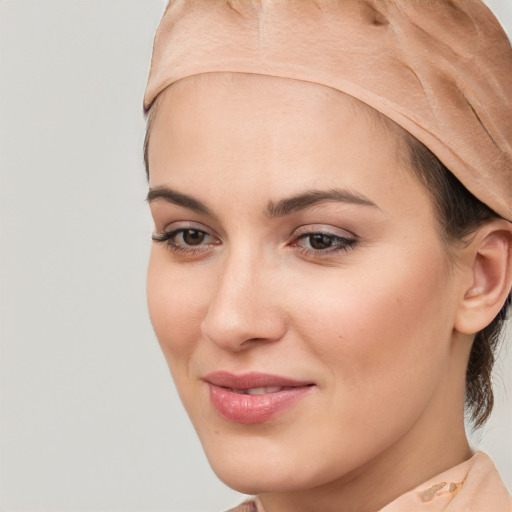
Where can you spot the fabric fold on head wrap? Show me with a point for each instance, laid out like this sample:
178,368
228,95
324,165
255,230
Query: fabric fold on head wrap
441,69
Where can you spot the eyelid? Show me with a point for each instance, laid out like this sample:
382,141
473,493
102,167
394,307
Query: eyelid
343,241
172,230
186,224
177,226
169,234
324,229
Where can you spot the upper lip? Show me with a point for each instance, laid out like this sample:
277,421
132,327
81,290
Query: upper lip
251,380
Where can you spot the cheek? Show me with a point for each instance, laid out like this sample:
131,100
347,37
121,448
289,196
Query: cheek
382,337
176,303
381,327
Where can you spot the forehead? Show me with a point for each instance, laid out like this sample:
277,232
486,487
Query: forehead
238,88
209,102
273,135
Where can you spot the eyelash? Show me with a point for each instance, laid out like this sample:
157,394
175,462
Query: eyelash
340,243
167,238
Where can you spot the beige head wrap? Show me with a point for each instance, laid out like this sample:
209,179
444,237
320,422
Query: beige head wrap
441,69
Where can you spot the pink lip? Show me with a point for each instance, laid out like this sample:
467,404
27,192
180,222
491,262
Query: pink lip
252,409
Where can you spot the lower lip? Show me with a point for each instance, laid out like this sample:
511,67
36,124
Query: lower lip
252,409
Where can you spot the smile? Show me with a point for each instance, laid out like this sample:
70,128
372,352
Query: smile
253,398
257,391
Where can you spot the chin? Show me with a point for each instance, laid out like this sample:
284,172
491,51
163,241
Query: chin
260,462
251,483
253,464
259,478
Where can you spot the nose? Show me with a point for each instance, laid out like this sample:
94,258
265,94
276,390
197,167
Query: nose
244,307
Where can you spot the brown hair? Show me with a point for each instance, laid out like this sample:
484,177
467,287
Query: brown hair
459,213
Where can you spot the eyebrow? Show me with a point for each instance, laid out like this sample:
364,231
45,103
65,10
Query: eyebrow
312,197
273,209
174,197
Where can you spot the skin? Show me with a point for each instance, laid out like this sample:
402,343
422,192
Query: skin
373,325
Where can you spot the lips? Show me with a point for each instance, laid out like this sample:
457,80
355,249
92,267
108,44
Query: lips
253,397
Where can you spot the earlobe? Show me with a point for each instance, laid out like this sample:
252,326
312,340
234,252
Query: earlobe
490,268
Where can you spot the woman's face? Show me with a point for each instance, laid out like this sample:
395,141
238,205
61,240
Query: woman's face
298,287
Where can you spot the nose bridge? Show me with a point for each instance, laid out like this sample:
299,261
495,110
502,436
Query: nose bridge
243,307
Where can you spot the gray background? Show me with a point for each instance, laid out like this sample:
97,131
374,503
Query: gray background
89,417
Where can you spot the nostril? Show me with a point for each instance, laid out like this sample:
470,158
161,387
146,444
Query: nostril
374,16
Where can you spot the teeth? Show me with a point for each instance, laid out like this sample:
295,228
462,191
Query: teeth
261,391
257,391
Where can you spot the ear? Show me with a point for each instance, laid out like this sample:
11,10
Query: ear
489,270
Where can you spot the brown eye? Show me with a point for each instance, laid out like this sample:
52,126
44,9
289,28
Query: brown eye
187,241
323,243
320,241
193,236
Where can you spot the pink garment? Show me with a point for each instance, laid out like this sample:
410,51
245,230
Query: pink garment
440,69
473,486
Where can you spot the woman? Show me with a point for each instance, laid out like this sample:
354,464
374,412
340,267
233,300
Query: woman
326,292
